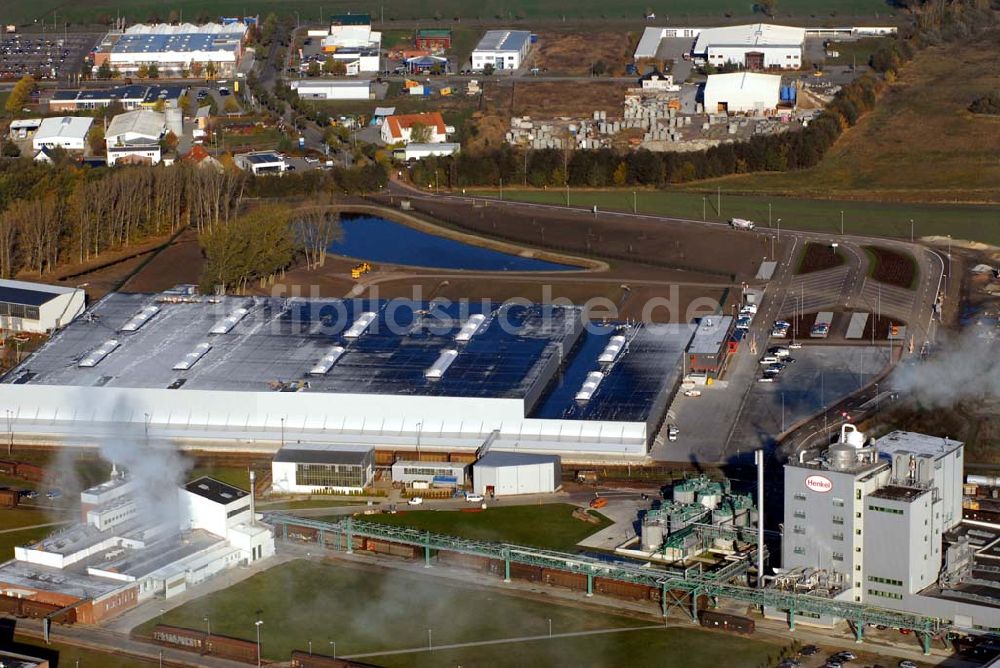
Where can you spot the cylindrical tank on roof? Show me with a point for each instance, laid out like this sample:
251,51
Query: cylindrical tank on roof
652,536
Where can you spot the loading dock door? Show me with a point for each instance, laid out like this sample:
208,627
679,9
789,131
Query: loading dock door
754,60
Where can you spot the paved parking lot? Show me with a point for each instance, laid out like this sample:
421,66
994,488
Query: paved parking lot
46,57
819,376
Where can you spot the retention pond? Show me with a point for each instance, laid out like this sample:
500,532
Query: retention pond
377,239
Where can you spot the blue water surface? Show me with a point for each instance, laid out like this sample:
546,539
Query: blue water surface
380,240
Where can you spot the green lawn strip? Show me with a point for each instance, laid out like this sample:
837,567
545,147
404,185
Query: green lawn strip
549,526
689,648
237,476
303,504
888,219
682,12
367,611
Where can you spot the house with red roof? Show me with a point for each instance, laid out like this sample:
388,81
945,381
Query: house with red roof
398,128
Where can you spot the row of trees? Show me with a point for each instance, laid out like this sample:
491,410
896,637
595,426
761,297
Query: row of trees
51,215
263,242
72,215
934,21
608,167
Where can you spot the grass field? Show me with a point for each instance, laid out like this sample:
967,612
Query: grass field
661,647
237,476
550,526
919,144
365,611
77,657
8,541
310,10
978,222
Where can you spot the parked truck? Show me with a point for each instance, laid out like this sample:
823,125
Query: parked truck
741,224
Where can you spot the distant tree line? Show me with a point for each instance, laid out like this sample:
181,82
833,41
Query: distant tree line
934,21
608,167
55,215
60,214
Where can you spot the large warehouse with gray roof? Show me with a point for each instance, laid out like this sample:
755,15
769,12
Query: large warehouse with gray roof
250,372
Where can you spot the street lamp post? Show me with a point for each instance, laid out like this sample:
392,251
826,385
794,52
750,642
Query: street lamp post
430,643
841,222
10,431
635,206
208,625
334,648
769,214
911,230
310,647
550,627
420,428
779,229
257,624
282,432
704,206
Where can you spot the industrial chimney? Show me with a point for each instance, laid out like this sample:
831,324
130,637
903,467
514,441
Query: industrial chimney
253,491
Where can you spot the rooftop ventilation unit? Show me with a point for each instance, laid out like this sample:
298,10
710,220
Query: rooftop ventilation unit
360,325
140,319
441,364
227,323
590,385
327,361
470,328
99,353
192,357
612,350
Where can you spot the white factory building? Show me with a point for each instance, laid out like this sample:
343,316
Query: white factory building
172,48
415,151
261,162
38,308
881,522
390,374
333,89
755,46
67,132
503,49
133,545
134,137
351,39
742,92
323,469
509,473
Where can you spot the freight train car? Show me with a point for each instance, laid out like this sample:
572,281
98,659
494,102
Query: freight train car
176,636
232,648
726,622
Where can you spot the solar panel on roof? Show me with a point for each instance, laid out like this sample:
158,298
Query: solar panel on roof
25,296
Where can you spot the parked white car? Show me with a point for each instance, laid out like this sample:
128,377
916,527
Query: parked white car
474,498
415,501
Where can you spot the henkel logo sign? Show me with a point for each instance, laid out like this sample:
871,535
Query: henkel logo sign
819,483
